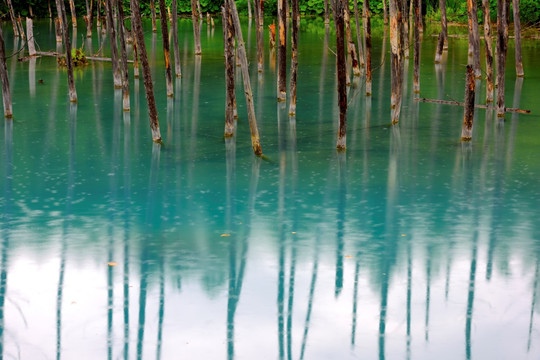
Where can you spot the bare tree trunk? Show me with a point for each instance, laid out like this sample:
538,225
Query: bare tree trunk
135,56
196,27
282,51
443,35
117,76
88,18
358,32
259,32
200,12
405,27
49,8
6,92
385,12
67,45
123,53
350,43
249,8
294,56
166,47
468,115
396,35
174,26
73,15
153,11
30,33
502,47
517,33
367,28
416,72
241,53
339,23
147,76
228,40
21,29
98,14
326,13
489,52
12,17
58,29
474,41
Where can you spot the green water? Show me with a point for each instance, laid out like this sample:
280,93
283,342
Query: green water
409,245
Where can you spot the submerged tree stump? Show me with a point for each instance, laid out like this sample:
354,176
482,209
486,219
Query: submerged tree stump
416,59
196,27
153,12
474,39
294,56
174,29
517,33
489,52
359,32
166,47
30,40
468,114
88,18
117,76
6,92
60,7
350,43
367,30
282,52
443,35
341,65
396,57
259,27
228,41
123,55
502,47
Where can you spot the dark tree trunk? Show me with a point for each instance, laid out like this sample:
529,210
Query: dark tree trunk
468,116
123,53
147,76
117,76
153,12
228,40
416,76
489,52
196,27
405,27
339,23
166,47
358,32
257,7
282,52
350,43
242,58
443,35
6,93
474,37
396,36
174,28
367,27
502,47
12,17
294,56
67,45
517,33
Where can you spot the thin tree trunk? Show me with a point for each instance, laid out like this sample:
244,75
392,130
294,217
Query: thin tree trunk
67,44
339,23
135,56
474,41
489,52
443,35
153,11
367,27
242,58
294,56
6,93
502,47
517,33
30,33
326,13
200,12
282,51
166,47
249,8
88,18
358,32
73,15
350,43
147,76
396,54
117,76
405,27
385,12
58,29
196,27
468,114
98,14
12,17
123,53
416,75
259,32
49,8
21,29
228,40
174,26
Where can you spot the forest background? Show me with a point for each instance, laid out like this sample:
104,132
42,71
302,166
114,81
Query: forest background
456,9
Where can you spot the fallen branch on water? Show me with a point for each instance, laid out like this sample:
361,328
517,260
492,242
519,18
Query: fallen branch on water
480,106
56,54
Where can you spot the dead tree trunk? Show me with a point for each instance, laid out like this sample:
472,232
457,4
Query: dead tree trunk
12,17
489,52
257,8
294,56
468,114
339,23
396,58
405,27
416,71
88,18
6,92
58,29
73,15
135,56
166,47
147,76
282,52
326,13
174,26
228,41
153,11
350,43
385,12
474,41
196,27
502,47
98,14
30,41
367,27
443,35
117,76
60,7
517,33
358,33
249,8
123,53
21,28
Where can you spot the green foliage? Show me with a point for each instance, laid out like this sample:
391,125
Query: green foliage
78,57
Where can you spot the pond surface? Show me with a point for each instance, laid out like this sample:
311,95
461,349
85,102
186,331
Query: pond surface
408,245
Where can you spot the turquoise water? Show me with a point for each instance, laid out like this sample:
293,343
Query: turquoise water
409,245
